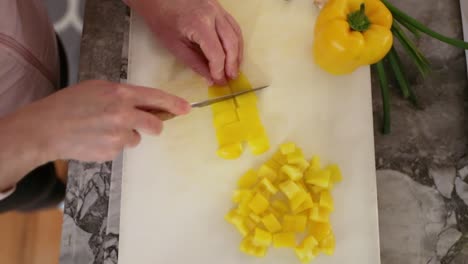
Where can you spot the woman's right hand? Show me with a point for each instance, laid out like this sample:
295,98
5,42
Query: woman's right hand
95,120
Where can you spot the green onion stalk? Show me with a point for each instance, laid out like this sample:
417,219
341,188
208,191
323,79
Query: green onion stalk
392,60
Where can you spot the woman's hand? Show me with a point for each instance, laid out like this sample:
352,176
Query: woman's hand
94,120
198,32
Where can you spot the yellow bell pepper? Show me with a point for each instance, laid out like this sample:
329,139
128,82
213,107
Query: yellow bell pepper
262,238
248,179
259,204
294,223
263,215
351,33
271,223
287,148
286,239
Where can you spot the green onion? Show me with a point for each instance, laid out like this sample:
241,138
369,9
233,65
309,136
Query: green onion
408,26
397,61
399,75
385,96
418,25
418,58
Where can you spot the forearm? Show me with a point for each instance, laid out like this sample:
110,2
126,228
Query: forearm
23,148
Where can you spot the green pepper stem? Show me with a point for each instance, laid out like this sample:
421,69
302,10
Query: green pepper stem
358,20
385,96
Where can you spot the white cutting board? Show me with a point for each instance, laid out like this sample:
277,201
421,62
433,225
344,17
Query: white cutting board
176,191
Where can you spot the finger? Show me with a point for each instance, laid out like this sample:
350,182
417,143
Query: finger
150,98
238,31
145,122
133,139
207,38
230,42
194,59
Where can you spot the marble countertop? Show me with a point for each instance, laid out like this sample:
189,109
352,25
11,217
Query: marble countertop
422,166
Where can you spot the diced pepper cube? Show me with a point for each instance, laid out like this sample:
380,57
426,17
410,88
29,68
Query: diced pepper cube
249,248
316,190
280,206
319,178
224,118
242,228
295,157
310,242
265,171
319,214
259,145
230,151
335,173
262,238
280,158
258,204
302,165
289,188
327,245
250,224
294,223
275,166
304,255
307,204
287,148
243,208
292,172
326,201
233,218
248,179
315,163
320,230
255,218
242,195
298,199
285,239
271,223
268,186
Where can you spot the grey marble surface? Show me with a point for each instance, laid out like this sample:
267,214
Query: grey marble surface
422,167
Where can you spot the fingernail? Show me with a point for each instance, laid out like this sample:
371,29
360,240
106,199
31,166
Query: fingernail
234,74
183,106
210,82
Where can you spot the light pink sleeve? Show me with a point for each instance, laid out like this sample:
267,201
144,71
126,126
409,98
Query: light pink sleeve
29,65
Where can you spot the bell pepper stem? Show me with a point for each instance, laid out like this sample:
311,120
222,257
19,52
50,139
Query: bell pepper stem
358,20
380,67
418,25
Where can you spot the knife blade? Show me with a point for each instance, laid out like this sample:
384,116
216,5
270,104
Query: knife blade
164,116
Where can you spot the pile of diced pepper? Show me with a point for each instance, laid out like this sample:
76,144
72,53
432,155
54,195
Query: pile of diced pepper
237,120
286,203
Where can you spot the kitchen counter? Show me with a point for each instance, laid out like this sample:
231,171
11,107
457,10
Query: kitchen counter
422,166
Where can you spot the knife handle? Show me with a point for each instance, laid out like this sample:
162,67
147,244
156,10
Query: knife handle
163,115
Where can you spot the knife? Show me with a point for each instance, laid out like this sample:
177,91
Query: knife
163,115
